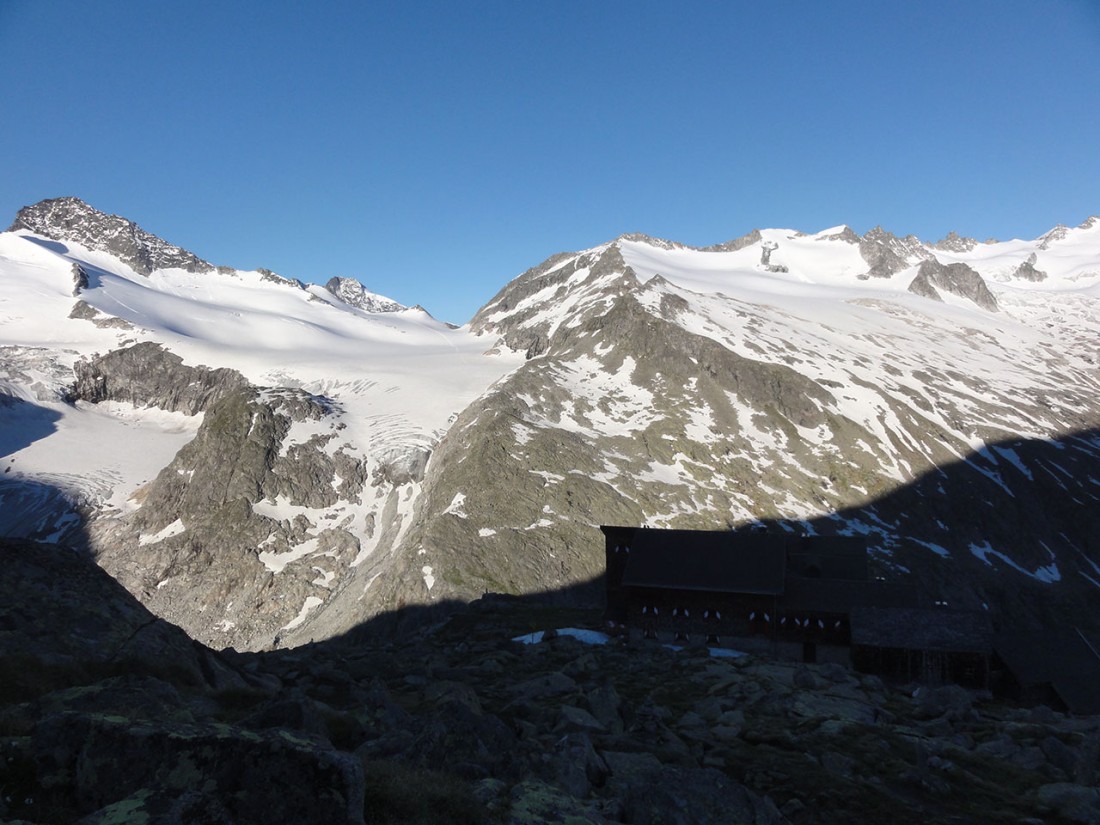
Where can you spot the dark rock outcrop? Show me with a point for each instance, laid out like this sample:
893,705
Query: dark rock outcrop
1027,271
886,254
354,294
953,242
958,279
748,239
83,311
65,622
147,375
80,279
116,714
766,258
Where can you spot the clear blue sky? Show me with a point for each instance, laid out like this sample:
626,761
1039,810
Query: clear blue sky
434,150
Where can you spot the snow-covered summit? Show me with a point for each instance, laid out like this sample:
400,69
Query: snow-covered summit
837,257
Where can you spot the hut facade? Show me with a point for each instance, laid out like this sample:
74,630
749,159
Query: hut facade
790,595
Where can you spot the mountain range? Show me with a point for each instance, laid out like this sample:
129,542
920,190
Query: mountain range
265,462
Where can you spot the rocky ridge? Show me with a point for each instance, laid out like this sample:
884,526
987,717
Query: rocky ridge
354,294
72,220
958,279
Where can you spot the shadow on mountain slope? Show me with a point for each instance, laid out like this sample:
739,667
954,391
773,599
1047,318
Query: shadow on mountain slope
1014,528
21,424
31,508
431,713
52,246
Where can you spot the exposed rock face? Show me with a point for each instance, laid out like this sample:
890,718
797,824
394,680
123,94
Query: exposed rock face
72,220
846,234
958,279
84,311
1027,271
766,257
887,255
146,375
660,243
745,240
276,278
205,542
1058,233
80,279
549,281
353,293
953,242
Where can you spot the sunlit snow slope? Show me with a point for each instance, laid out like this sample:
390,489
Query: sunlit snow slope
399,375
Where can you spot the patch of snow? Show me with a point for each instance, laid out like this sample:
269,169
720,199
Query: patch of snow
592,637
276,562
1047,573
457,506
324,578
942,552
310,603
725,653
173,529
1015,460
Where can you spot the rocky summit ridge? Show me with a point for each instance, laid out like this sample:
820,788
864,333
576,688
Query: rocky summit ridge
939,399
70,219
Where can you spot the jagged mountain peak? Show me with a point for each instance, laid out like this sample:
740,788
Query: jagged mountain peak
954,242
71,220
354,294
1061,232
660,243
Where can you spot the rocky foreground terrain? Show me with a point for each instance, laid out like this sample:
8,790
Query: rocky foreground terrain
110,715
